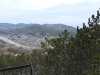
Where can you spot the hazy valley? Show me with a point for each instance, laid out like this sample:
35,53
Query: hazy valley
31,35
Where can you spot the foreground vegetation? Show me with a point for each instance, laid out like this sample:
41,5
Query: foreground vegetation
80,56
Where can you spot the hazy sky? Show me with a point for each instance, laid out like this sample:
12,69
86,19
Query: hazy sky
70,12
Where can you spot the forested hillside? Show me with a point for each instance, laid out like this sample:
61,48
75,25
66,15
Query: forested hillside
79,55
43,30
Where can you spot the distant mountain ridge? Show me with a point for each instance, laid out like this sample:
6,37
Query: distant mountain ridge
59,26
33,29
6,26
13,25
55,26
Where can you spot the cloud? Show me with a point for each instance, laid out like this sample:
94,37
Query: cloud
35,4
50,11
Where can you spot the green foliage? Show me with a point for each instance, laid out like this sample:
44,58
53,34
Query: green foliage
79,55
39,36
95,68
54,60
78,52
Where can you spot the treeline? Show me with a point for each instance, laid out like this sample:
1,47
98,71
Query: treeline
42,30
79,55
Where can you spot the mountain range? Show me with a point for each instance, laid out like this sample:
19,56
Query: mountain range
55,26
8,28
31,35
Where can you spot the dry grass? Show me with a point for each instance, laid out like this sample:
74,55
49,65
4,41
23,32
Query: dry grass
7,48
17,50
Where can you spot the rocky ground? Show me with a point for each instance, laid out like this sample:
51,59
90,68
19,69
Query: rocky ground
28,40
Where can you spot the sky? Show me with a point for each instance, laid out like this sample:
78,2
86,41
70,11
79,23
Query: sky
69,12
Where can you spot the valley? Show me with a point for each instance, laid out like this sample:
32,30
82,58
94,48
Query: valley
27,38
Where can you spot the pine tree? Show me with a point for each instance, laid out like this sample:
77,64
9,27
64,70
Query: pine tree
76,57
55,60
95,29
87,46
